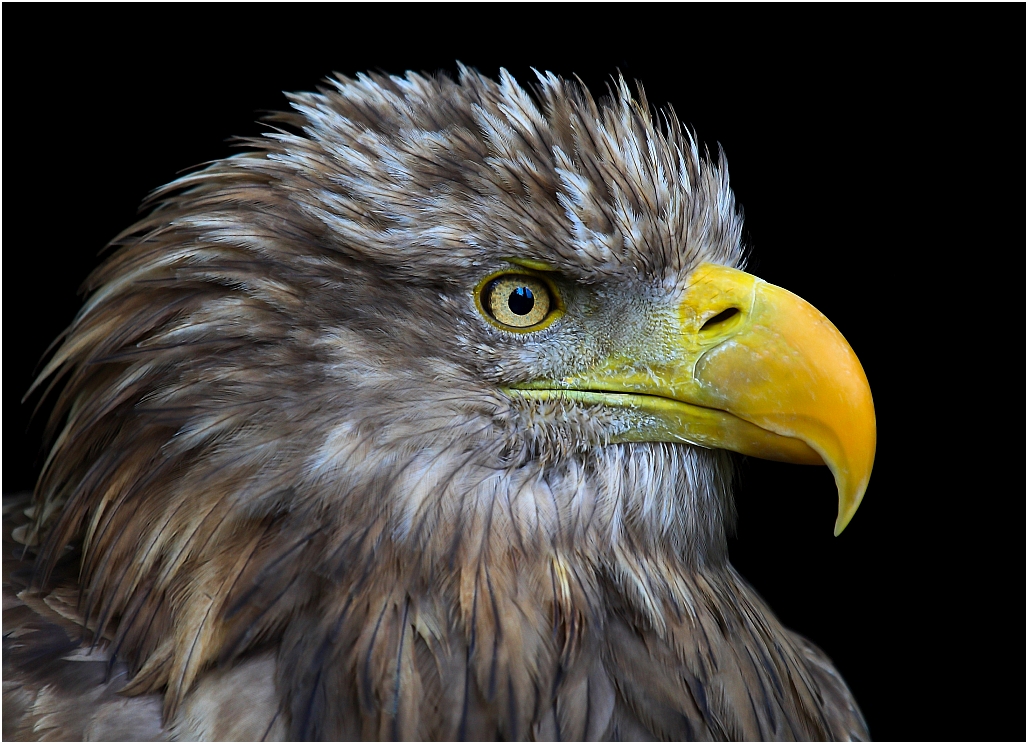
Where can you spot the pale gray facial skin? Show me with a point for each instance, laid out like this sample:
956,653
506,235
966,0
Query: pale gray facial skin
288,447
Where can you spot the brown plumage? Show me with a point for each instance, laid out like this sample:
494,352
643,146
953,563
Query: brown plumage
289,496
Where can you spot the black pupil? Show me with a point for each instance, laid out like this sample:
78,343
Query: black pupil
521,301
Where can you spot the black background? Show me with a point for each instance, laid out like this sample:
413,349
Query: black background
876,151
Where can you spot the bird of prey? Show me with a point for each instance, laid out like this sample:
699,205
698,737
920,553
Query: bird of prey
414,421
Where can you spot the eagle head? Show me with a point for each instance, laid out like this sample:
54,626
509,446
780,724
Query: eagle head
424,403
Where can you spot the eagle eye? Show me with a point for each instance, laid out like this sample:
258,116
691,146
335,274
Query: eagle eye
517,301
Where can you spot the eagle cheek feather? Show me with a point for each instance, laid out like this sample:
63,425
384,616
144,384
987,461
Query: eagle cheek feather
310,478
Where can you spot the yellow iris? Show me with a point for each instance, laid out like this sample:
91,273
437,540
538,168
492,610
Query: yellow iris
517,301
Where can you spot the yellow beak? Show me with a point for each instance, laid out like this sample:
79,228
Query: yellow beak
749,367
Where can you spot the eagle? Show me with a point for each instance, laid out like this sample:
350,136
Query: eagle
415,420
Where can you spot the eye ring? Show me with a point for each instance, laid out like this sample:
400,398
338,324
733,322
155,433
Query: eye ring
518,302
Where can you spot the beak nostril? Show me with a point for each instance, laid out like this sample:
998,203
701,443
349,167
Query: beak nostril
720,318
